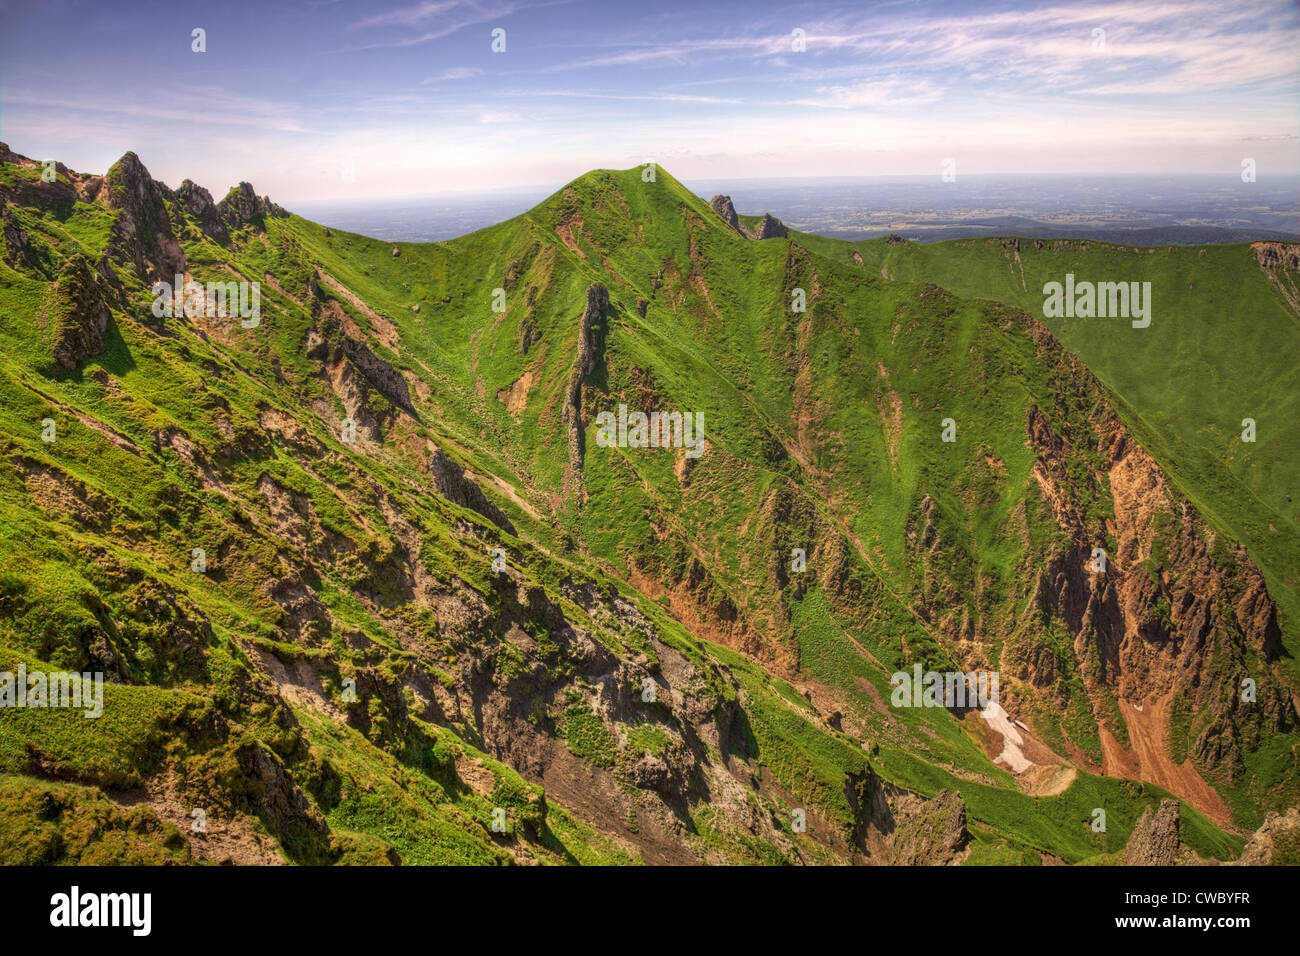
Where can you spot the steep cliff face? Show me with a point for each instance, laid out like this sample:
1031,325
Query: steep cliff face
1174,624
454,485
591,337
143,233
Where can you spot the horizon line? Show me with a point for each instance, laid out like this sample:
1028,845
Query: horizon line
548,188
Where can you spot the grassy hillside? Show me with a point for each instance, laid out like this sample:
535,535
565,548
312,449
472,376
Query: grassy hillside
1222,346
459,612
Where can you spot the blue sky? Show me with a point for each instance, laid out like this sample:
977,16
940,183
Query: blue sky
336,99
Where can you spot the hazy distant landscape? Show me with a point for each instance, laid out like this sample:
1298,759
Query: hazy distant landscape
1143,210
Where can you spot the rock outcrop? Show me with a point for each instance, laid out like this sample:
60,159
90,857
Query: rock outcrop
80,313
243,206
143,234
591,342
1276,842
897,827
770,228
337,342
1155,839
454,485
727,212
29,190
1271,255
20,252
385,379
198,202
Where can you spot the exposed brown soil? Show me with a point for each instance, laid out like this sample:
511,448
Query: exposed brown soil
274,284
1149,760
224,839
567,231
516,396
383,328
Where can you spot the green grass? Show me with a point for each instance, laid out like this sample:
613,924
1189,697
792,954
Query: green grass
342,561
1221,347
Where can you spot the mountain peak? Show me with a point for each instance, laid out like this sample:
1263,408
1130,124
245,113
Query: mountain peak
242,205
770,228
130,174
723,207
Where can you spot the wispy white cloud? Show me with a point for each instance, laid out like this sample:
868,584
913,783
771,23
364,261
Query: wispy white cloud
892,92
445,16
1165,48
650,97
410,15
183,108
890,89
454,73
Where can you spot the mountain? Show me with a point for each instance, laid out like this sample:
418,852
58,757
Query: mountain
1222,346
372,575
999,227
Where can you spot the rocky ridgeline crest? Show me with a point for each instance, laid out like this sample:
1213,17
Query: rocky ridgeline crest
145,236
769,227
152,217
242,206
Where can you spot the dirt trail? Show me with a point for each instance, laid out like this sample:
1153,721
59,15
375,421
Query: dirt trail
506,489
383,328
274,284
1149,760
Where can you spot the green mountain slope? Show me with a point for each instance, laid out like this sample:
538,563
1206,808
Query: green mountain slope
1222,346
476,606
